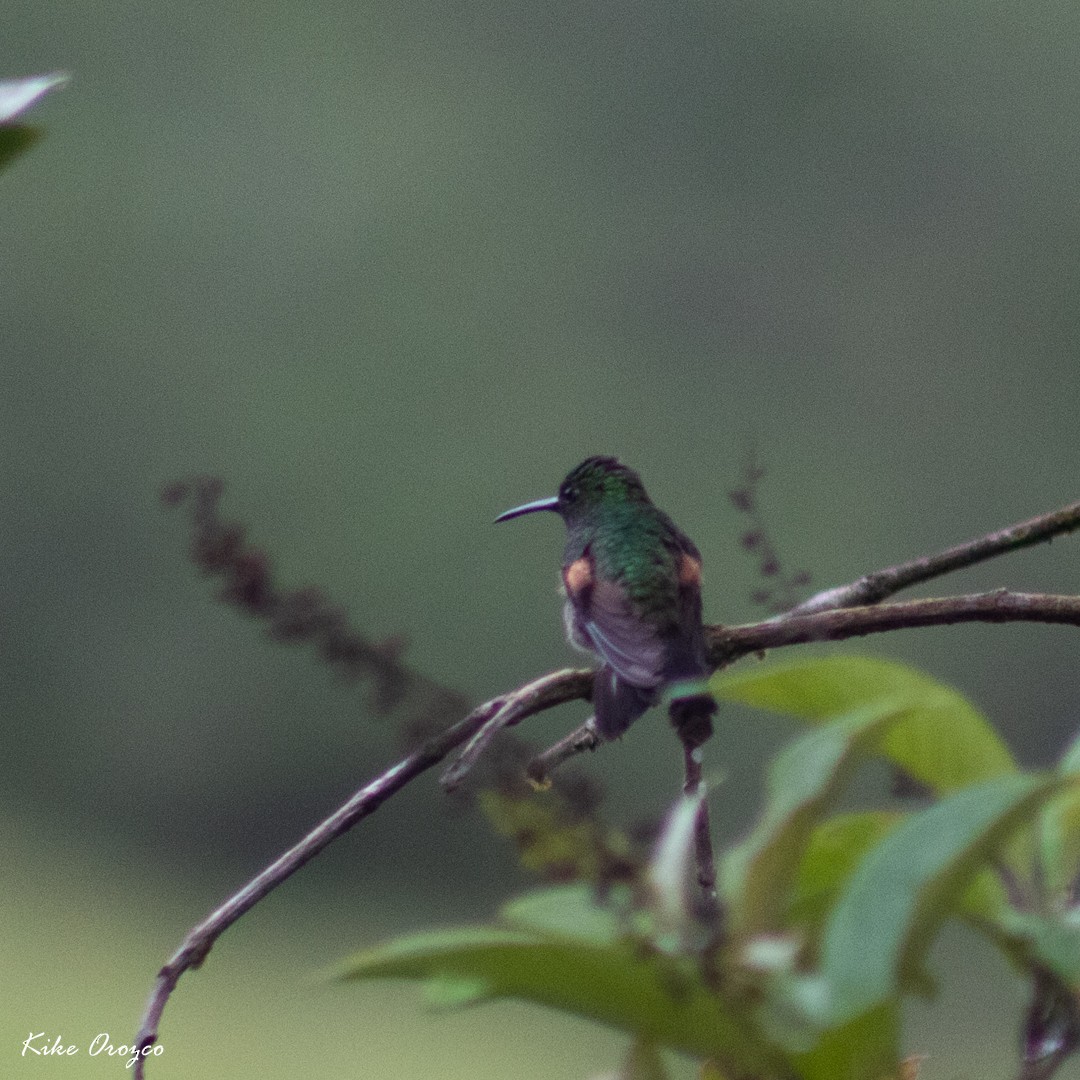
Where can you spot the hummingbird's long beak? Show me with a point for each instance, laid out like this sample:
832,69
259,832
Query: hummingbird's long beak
530,508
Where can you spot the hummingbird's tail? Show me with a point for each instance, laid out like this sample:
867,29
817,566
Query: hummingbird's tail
692,718
618,703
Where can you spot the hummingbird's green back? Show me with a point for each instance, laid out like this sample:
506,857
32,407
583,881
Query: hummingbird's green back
632,542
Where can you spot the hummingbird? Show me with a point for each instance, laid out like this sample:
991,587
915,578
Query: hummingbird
632,581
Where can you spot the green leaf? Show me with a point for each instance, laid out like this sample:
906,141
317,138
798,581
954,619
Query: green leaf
1050,941
1059,829
17,95
834,850
865,1048
804,780
881,926
945,742
570,910
622,983
984,899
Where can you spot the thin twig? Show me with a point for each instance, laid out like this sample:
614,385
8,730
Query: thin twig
729,643
542,694
726,644
527,700
875,587
579,740
199,941
693,784
692,720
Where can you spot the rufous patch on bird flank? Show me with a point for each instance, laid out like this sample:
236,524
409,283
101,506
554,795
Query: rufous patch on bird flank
578,576
689,570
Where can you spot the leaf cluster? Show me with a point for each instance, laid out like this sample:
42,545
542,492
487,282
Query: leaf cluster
827,913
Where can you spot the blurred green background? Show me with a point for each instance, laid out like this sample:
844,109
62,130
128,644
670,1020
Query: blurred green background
391,268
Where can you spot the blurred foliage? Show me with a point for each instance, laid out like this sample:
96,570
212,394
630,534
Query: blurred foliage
15,139
807,974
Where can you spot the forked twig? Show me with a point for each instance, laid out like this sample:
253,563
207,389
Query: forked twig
542,694
197,944
579,740
875,587
525,701
730,643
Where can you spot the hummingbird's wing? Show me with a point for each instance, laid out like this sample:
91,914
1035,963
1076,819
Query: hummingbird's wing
639,654
618,703
633,654
600,617
618,696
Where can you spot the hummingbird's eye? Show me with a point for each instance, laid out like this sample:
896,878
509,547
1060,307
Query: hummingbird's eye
568,492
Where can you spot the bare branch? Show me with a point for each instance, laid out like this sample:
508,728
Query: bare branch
872,588
727,644
730,643
534,697
199,941
703,847
541,767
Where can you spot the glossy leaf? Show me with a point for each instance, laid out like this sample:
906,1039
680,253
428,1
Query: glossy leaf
944,741
834,850
883,922
803,782
1049,941
1059,830
622,983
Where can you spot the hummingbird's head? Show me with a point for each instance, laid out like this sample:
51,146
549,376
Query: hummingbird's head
595,483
